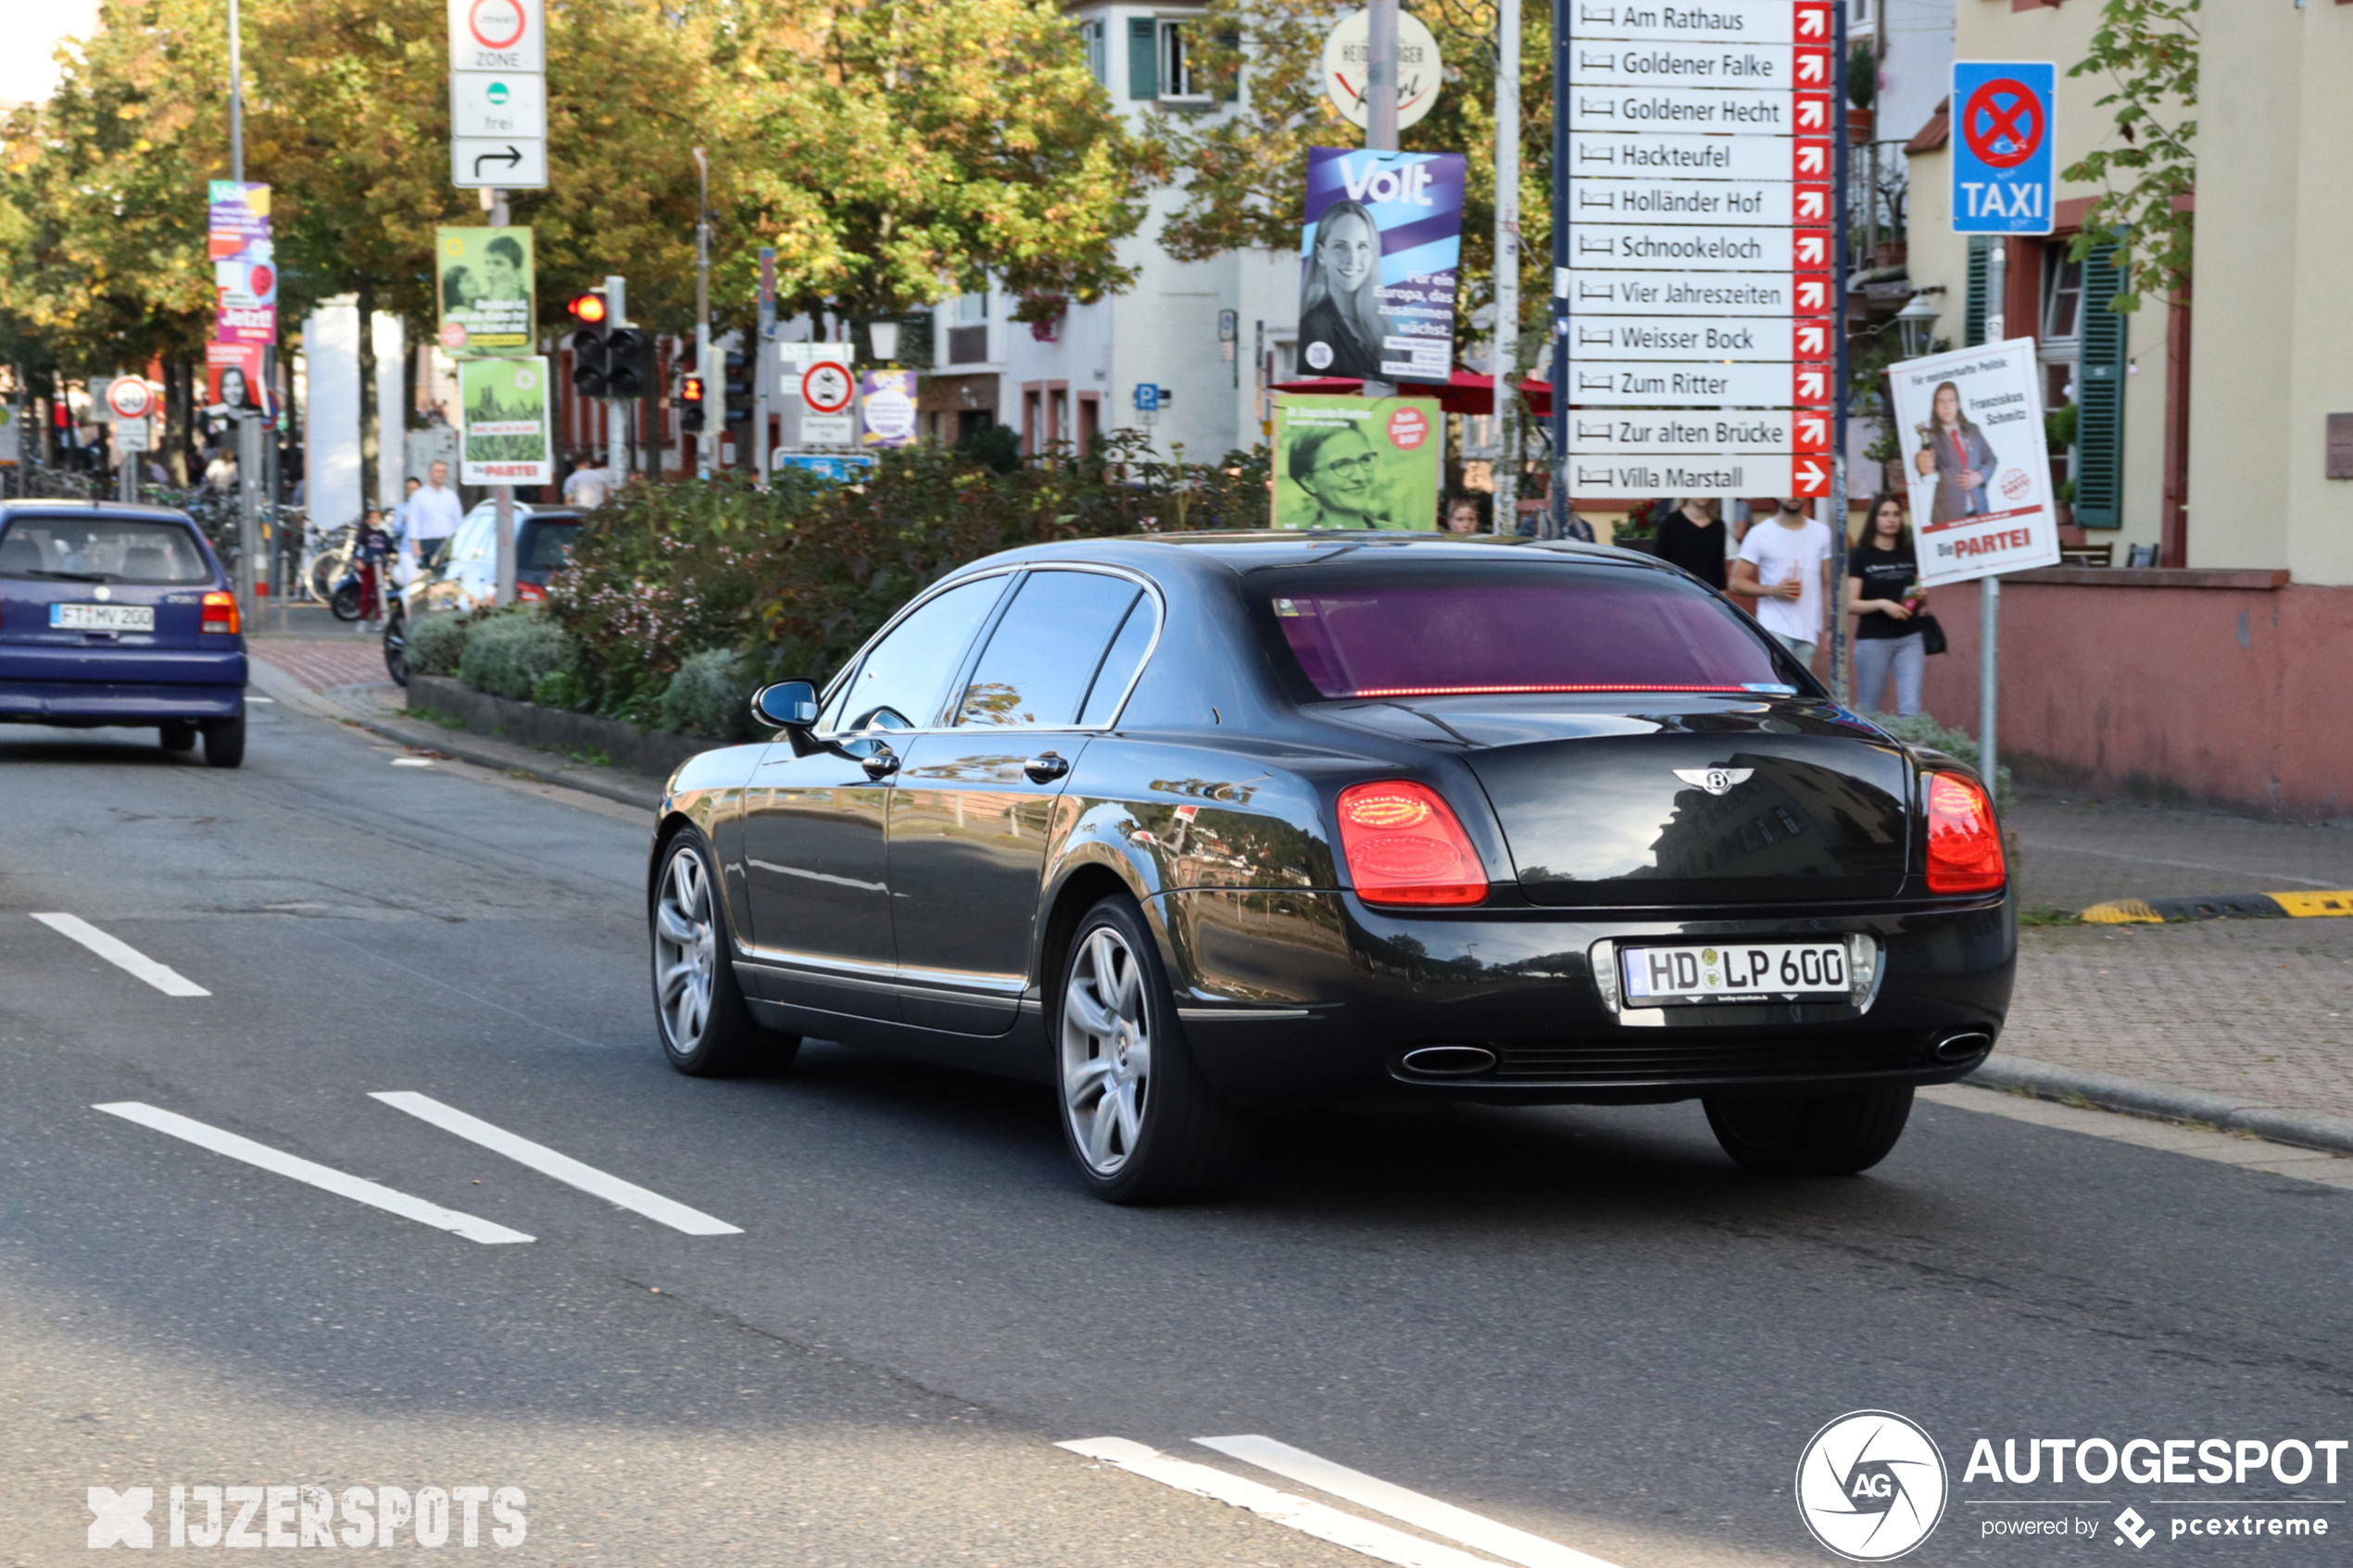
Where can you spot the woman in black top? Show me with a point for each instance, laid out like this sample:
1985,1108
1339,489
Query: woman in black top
1883,591
1692,536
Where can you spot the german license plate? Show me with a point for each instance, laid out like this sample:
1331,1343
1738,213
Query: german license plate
1735,971
102,618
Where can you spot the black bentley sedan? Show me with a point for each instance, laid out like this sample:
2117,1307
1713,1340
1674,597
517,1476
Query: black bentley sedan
1192,826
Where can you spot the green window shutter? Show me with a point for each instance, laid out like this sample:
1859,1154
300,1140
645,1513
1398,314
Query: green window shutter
1232,91
1144,57
1980,246
1097,51
2099,398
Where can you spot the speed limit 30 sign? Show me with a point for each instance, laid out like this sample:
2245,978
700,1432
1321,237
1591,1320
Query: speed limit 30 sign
129,397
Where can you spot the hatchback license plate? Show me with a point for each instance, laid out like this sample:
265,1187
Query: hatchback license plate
102,618
1741,971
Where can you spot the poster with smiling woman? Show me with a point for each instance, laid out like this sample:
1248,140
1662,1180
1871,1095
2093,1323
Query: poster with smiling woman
1377,260
486,304
1357,462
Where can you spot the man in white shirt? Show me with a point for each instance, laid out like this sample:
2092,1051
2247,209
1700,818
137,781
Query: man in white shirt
431,515
585,487
1785,562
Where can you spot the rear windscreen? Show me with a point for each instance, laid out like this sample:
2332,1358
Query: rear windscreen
1444,629
103,549
547,547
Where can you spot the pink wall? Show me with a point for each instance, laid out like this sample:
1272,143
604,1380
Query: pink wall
2230,694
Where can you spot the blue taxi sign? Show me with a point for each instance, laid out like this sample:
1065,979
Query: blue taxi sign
2001,156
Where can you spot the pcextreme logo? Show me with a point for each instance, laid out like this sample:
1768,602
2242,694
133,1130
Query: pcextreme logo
1871,1485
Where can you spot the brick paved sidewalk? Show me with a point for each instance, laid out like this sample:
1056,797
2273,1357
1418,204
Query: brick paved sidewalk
321,663
2260,1008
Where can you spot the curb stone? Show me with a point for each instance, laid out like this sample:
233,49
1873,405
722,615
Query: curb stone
2141,1097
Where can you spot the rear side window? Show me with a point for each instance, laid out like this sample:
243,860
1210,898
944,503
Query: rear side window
1120,665
1043,656
103,549
1375,632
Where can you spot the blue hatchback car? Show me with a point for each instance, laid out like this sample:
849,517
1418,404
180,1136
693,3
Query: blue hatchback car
120,615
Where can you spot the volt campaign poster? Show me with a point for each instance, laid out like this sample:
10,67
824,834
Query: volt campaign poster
486,292
1377,260
505,403
887,408
245,269
1970,423
1357,462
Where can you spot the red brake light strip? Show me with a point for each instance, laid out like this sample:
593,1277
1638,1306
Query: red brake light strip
1485,690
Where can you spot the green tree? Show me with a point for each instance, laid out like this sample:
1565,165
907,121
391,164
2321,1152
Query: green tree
2147,49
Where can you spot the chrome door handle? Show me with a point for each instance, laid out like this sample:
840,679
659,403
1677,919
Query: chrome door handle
881,765
1046,768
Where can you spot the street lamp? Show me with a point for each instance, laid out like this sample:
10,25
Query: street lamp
883,335
1916,320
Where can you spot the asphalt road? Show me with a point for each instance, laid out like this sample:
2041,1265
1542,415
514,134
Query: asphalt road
1585,1323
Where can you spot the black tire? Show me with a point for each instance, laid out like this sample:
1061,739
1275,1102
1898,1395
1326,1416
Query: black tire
344,603
397,647
687,932
1825,1136
1154,1135
224,742
179,736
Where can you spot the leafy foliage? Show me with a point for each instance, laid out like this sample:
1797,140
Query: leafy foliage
436,643
708,696
508,653
2148,50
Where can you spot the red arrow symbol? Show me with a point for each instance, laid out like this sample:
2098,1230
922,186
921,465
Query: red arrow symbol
1813,68
1813,477
1813,293
1812,112
1813,158
1812,206
1813,22
1813,250
1813,433
1812,384
1813,339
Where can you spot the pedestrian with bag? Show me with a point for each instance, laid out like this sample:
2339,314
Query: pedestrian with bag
1892,626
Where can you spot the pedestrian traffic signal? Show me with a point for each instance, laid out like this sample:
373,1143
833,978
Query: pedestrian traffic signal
690,404
591,358
628,362
739,389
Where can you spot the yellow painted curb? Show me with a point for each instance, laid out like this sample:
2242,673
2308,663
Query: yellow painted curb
2120,912
2305,905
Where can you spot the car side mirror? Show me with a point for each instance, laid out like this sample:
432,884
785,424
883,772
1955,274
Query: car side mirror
787,705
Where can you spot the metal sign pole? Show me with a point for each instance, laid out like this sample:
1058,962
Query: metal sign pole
1503,363
1842,683
1556,509
250,576
503,494
1989,674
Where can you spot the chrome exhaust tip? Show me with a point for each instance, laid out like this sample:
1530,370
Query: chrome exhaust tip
1963,1047
1449,1061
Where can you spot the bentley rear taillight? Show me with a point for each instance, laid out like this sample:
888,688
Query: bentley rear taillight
221,616
1404,846
1964,845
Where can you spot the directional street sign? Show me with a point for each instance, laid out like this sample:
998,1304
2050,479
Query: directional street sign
486,103
1629,292
1673,154
497,94
1605,432
1719,21
1729,339
1710,476
1714,248
513,163
1630,384
1702,64
1777,203
1759,111
2001,156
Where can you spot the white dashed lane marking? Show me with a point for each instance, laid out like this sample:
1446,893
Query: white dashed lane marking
1327,1523
123,956
1412,1508
358,1189
563,1167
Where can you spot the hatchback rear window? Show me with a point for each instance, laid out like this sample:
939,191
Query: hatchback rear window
1444,630
103,549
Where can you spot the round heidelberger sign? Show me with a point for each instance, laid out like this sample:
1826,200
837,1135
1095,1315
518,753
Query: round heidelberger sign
1408,427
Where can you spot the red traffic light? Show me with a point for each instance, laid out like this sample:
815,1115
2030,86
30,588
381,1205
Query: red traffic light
690,390
588,310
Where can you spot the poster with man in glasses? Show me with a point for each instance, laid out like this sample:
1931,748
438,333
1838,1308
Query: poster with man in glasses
1357,462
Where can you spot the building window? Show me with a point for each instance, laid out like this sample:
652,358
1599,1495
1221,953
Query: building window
1176,79
1098,50
968,330
2059,348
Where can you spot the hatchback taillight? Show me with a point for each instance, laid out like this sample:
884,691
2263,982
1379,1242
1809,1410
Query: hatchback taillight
1404,846
221,616
1964,845
526,593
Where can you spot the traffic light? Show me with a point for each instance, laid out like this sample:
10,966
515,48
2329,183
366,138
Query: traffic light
690,404
591,356
627,357
739,389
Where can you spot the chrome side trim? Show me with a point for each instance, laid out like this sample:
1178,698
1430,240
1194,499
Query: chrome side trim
1240,1015
820,876
952,982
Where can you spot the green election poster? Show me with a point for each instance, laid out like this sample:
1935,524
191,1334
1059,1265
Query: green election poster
1355,462
485,287
505,403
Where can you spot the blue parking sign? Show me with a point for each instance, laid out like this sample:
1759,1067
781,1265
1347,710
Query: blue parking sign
1148,397
2002,160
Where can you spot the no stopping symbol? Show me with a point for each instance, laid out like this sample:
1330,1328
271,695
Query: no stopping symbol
2002,122
826,387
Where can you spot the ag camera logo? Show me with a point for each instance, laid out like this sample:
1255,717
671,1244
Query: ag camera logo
1871,1485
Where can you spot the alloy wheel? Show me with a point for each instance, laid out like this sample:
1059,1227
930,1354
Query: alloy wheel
686,950
1106,1050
